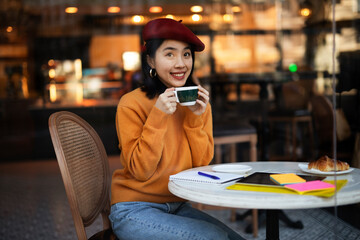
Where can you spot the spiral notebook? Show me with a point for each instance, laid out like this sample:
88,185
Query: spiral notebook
193,176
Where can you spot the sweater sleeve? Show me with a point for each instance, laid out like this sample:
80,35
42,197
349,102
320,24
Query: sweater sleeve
199,131
141,140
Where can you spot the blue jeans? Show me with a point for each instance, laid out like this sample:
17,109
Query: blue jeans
166,221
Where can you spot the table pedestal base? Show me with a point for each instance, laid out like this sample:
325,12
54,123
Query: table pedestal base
272,224
262,216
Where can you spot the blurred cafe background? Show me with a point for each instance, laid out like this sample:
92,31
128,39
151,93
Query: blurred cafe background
264,60
262,57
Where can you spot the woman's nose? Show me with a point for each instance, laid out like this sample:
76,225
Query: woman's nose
179,62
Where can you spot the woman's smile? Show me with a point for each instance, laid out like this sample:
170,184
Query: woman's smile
178,76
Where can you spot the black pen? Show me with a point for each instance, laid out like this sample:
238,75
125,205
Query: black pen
208,175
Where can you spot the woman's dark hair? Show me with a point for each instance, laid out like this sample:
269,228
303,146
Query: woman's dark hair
153,86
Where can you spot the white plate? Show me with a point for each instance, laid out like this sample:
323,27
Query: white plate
304,167
232,168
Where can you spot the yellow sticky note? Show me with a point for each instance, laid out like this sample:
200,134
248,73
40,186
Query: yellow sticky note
286,178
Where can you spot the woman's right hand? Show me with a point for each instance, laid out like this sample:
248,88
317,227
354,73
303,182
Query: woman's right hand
167,101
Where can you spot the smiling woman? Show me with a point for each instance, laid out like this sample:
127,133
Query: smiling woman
159,137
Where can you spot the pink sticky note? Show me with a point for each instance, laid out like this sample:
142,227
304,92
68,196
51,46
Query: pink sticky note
310,186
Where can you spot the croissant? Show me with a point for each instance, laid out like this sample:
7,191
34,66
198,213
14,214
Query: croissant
326,164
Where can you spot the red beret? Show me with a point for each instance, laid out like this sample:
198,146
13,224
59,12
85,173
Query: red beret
166,28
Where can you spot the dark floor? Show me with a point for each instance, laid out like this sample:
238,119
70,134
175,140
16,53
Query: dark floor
348,213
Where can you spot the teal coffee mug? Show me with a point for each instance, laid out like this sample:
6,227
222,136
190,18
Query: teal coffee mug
186,96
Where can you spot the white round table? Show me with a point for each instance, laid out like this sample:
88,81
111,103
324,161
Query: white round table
212,194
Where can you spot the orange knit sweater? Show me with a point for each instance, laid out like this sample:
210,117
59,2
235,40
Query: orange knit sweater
155,145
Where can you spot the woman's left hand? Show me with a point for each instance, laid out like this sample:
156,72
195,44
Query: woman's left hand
201,102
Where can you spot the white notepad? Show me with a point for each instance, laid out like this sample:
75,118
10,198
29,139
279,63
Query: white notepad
193,176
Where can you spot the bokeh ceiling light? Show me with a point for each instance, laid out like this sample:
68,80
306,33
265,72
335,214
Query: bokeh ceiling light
155,9
9,29
71,10
305,12
228,18
113,9
170,16
305,9
137,19
196,17
236,9
196,9
51,62
52,73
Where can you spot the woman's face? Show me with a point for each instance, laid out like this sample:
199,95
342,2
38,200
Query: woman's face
173,63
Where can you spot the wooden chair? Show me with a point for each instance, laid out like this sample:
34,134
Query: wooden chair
228,134
292,118
85,172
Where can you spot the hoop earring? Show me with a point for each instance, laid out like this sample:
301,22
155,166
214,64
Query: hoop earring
152,73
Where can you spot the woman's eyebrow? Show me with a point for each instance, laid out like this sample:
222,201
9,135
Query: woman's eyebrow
172,48
169,48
